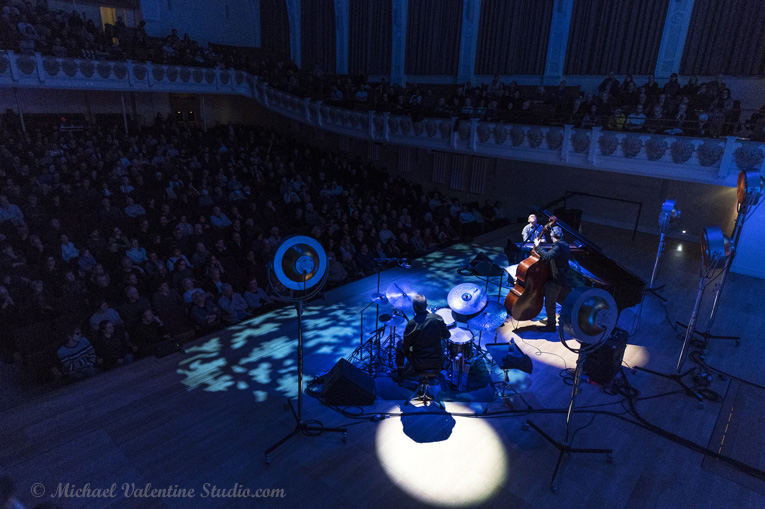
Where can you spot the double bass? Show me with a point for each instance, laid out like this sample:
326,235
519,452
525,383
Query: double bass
527,296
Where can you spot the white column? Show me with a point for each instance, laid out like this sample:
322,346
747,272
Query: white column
255,8
342,16
471,16
673,38
398,44
558,41
293,13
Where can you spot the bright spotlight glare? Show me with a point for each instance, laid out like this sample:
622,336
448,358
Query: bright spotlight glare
467,468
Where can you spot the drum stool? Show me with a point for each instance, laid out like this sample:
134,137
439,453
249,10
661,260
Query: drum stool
421,393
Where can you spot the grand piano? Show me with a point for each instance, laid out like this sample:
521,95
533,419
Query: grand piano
590,267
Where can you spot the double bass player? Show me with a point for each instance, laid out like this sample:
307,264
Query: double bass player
558,256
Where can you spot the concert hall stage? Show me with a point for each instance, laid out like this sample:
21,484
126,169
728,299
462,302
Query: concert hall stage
205,418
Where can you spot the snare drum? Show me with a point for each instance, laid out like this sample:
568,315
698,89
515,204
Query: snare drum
448,317
460,342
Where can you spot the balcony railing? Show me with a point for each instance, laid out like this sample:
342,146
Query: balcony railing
714,161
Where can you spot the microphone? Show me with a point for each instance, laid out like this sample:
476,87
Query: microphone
404,263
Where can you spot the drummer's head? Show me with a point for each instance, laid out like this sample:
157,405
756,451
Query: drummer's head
419,304
533,219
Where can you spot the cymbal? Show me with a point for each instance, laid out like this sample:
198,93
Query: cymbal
490,317
394,320
400,295
467,299
379,298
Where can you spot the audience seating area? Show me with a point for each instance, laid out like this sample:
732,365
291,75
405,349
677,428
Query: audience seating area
690,109
115,247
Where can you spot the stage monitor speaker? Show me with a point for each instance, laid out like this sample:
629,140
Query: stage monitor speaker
602,365
347,385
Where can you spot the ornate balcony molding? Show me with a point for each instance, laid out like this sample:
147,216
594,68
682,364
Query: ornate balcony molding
711,161
36,71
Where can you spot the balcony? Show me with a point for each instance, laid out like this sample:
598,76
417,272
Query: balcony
704,160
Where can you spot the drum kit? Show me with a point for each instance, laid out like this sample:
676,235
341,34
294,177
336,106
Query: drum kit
468,312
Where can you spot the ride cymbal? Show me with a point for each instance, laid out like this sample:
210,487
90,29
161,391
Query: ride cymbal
467,299
490,317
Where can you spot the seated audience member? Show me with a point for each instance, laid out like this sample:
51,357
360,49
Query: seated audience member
171,309
133,307
204,312
136,253
77,357
148,333
10,212
635,120
213,283
218,219
68,249
337,273
181,273
255,296
232,304
112,345
104,312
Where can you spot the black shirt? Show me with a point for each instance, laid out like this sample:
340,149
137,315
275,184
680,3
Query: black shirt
558,256
422,341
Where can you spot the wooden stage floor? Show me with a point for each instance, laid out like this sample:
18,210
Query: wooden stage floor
204,419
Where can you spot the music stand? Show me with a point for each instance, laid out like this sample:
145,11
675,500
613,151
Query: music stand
588,316
300,264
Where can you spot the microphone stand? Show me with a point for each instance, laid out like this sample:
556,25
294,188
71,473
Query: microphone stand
302,426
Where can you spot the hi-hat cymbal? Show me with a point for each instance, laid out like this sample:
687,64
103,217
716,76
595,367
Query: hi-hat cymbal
379,298
395,320
467,299
490,317
400,295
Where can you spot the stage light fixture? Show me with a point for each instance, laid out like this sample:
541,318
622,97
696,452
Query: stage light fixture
750,187
300,263
589,315
715,247
669,214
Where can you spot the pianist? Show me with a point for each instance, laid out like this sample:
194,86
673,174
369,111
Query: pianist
558,255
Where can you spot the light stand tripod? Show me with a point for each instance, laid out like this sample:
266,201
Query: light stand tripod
300,264
565,448
588,314
750,187
715,254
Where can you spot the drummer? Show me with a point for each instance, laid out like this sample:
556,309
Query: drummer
421,345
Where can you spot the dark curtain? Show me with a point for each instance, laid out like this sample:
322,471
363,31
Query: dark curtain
433,30
725,37
369,36
622,36
317,36
275,27
513,36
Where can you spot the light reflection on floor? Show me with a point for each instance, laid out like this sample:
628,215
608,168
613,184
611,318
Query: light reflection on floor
260,355
464,469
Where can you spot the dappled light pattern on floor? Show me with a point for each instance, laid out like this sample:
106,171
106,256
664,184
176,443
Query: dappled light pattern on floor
260,355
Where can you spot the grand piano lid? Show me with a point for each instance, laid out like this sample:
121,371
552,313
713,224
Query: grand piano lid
599,267
568,229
